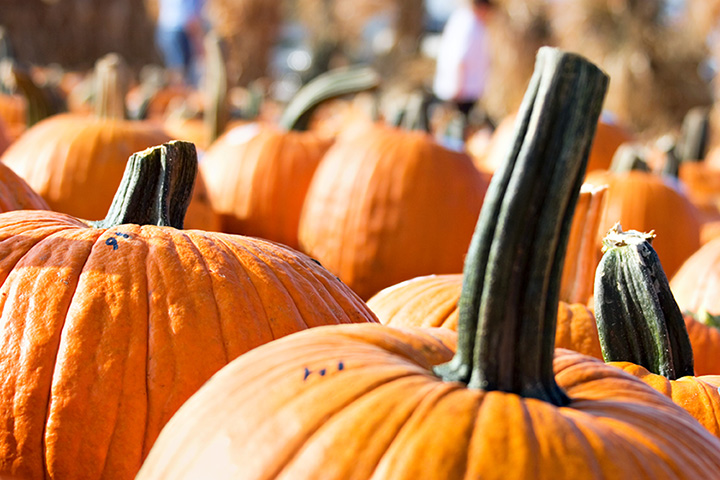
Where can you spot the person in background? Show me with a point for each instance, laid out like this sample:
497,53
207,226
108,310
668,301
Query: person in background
463,59
179,35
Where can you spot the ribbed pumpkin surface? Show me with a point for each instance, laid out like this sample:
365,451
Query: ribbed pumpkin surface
363,403
257,177
16,194
104,333
390,205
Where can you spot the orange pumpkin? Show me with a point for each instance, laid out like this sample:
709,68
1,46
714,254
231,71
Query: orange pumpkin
367,401
645,201
258,174
75,162
108,329
16,194
390,205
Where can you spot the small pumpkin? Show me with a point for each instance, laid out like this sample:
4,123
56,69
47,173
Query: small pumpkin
107,328
372,402
642,330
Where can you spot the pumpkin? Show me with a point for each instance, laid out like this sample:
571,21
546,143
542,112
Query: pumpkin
106,329
75,161
258,174
696,283
432,301
642,330
646,201
372,402
16,194
389,205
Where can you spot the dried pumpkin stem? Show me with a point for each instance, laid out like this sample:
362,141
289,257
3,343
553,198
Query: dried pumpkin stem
111,86
156,187
637,317
508,303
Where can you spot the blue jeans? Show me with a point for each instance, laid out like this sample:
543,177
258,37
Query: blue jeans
176,50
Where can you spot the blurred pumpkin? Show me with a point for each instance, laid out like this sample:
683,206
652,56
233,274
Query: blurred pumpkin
75,161
258,173
108,328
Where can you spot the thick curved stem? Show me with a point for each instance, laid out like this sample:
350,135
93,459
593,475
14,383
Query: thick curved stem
637,317
508,303
156,187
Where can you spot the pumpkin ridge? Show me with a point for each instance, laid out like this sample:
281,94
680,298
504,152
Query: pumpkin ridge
191,239
437,391
243,252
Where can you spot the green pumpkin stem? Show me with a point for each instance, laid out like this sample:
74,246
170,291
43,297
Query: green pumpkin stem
509,299
111,87
637,317
331,84
156,187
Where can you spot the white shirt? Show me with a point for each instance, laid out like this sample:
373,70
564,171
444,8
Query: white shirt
464,43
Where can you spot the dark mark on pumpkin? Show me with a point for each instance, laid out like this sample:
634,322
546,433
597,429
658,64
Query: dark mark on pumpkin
322,372
112,242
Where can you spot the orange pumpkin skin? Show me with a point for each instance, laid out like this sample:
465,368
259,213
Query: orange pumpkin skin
106,332
644,201
257,177
363,403
388,205
75,162
696,284
698,395
431,301
705,341
16,194
13,110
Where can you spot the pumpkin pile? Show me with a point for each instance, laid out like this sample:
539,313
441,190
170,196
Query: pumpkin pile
497,400
321,290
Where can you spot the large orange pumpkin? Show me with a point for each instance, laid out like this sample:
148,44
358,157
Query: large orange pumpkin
390,205
75,161
642,330
372,402
105,331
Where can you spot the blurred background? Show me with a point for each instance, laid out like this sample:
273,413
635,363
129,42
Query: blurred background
661,55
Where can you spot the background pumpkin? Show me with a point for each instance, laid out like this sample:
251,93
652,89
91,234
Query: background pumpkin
390,205
258,174
362,401
75,162
106,331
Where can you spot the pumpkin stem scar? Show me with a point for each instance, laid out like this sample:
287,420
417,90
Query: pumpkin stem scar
156,187
637,317
511,279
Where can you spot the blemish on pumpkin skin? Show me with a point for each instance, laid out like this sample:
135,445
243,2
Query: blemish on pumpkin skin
322,372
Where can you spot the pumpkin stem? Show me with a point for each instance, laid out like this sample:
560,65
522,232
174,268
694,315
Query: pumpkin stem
216,87
637,317
156,187
111,86
331,84
509,299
